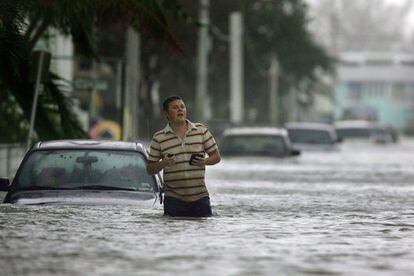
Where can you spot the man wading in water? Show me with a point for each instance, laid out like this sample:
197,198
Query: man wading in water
180,150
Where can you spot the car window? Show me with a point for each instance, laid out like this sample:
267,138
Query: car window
310,136
77,168
253,145
353,132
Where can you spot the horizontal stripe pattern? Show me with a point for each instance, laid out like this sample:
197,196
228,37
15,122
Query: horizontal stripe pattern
182,180
172,147
155,149
169,139
209,143
186,170
152,156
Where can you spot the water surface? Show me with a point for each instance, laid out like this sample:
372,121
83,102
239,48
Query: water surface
349,212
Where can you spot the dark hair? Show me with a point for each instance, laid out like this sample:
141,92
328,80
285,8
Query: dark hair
168,100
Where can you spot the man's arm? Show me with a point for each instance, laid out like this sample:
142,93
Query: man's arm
213,158
210,146
155,167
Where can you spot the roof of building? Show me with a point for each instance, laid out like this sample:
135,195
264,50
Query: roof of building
376,66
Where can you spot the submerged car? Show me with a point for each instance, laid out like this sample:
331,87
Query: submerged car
361,130
83,172
256,141
312,136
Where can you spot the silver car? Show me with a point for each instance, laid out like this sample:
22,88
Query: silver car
83,172
256,141
361,130
312,136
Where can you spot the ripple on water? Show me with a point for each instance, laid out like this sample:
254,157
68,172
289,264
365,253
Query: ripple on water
318,214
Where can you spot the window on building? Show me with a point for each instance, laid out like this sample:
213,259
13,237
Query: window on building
376,89
398,91
355,90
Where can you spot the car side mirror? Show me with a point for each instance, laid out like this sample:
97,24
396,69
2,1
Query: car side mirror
294,152
339,140
4,184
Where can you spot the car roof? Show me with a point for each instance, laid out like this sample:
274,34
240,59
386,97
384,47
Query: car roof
355,124
89,144
309,125
255,131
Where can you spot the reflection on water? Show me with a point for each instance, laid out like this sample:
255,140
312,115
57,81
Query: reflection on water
346,212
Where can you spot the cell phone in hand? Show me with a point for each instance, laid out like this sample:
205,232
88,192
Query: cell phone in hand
194,155
168,155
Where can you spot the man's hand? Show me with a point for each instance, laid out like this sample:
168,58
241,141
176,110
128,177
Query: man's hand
155,167
168,161
198,161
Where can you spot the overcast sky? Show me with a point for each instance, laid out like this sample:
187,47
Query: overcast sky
410,18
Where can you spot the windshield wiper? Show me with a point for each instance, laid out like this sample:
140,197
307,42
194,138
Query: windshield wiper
102,187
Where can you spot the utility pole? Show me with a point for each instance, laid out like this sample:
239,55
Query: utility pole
273,91
130,110
236,68
334,27
38,74
202,103
93,94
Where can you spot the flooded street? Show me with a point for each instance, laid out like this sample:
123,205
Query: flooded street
349,212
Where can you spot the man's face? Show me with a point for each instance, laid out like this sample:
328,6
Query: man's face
177,112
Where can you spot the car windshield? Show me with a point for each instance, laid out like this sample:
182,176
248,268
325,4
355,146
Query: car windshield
80,169
310,136
353,132
253,145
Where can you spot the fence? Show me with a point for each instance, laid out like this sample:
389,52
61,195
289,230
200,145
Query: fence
10,157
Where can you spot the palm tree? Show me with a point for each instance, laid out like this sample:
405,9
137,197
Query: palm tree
24,22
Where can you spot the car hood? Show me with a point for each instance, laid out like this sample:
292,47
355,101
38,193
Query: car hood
315,147
82,197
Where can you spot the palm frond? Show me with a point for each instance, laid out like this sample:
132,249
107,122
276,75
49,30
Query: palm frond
24,22
146,16
68,121
14,52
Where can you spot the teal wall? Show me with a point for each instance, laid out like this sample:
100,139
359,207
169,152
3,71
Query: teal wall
392,103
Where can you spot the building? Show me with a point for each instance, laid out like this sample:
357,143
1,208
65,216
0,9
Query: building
377,86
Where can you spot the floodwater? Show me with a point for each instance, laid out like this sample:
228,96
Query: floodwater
349,212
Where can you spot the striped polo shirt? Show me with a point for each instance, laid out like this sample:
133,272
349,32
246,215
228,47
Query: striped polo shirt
182,180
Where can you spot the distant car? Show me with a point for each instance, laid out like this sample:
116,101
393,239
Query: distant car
312,136
363,130
83,172
395,136
256,141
